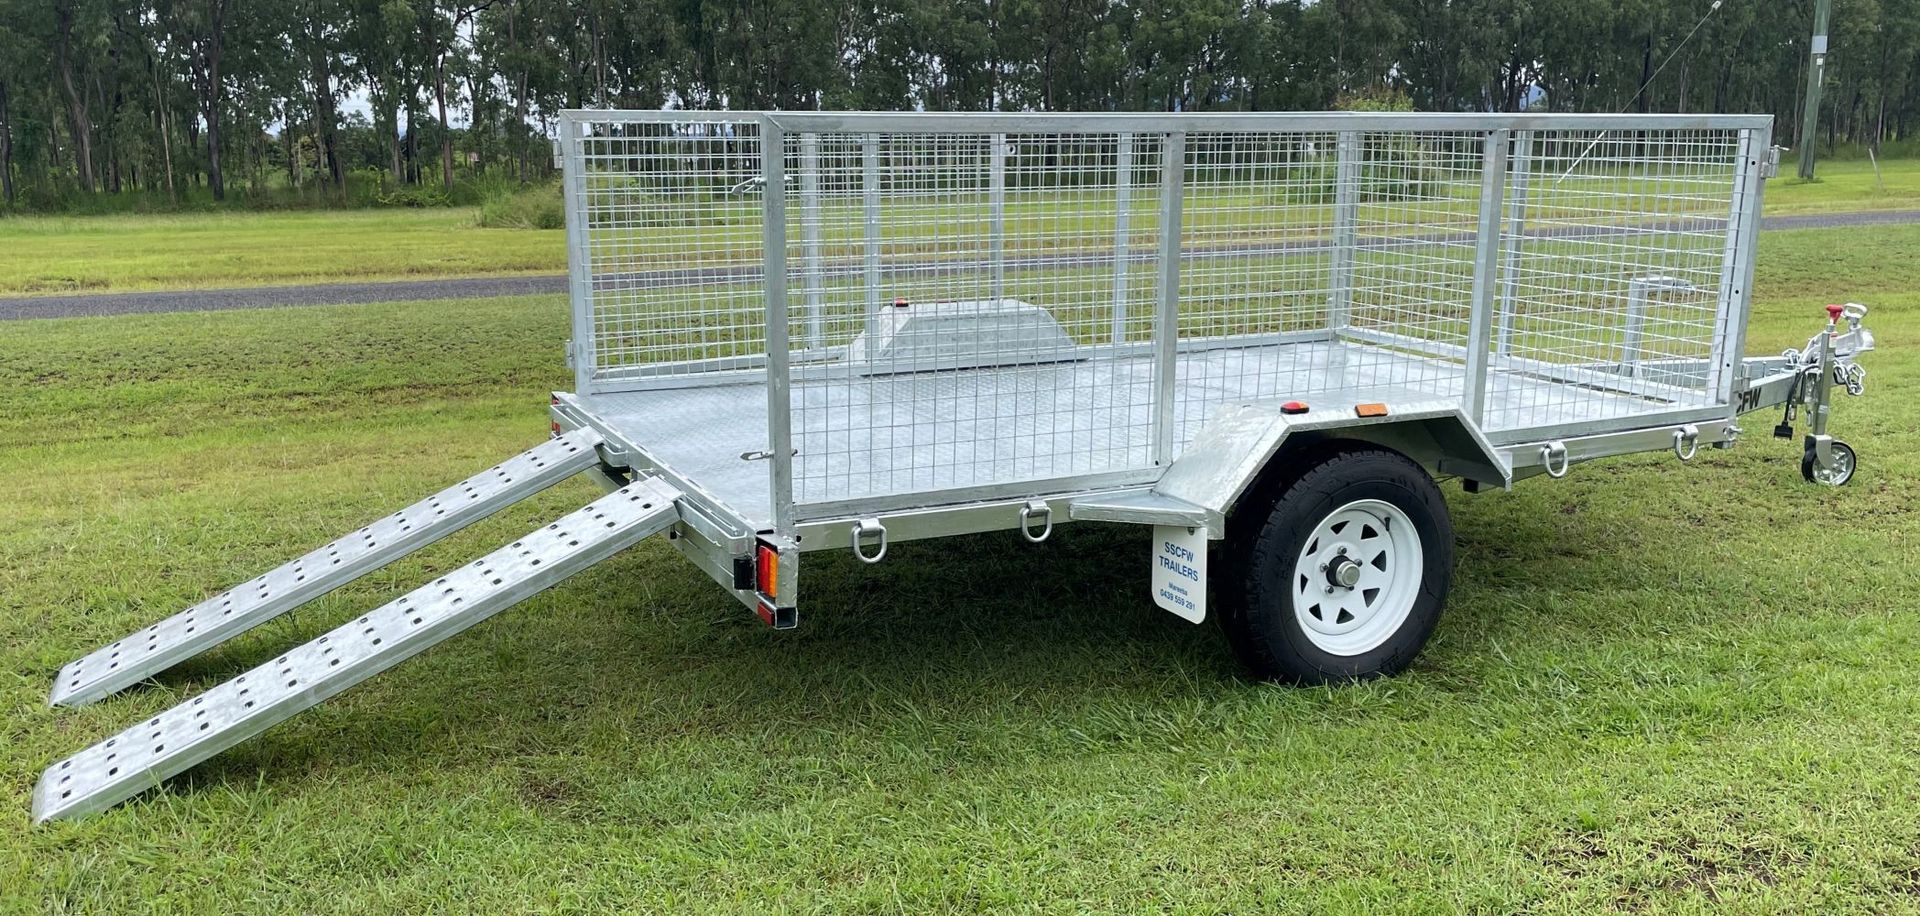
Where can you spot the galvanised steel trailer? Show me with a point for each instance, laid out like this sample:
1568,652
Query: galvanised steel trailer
1264,335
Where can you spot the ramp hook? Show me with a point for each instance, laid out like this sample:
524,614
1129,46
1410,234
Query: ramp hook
1033,508
863,528
1551,452
1686,442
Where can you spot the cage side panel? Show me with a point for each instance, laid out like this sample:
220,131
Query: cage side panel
1260,264
970,309
1614,262
1347,233
1415,243
669,225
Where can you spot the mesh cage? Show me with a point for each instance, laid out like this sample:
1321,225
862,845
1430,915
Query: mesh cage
974,302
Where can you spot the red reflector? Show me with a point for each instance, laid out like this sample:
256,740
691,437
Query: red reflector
555,427
900,303
766,612
1369,410
1293,407
766,571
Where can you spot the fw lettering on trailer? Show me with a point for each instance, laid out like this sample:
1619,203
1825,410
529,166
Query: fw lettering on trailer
1180,570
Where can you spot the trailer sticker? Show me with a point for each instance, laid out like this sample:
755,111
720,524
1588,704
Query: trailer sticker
1180,570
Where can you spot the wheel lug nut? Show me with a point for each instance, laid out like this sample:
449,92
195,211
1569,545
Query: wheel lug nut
1341,551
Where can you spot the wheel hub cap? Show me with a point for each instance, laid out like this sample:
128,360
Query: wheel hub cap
1343,572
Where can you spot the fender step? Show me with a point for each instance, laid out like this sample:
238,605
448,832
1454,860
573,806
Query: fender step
148,652
140,757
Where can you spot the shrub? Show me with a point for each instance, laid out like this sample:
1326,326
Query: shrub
532,207
417,195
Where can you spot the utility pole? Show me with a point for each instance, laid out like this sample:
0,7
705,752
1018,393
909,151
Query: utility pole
1816,74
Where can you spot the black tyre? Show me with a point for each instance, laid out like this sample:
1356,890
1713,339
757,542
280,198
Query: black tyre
1844,462
1338,572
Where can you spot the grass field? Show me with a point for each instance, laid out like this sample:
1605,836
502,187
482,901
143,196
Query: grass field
49,255
1658,687
52,255
1845,185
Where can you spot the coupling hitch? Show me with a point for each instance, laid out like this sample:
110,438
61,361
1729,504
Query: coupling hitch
1829,360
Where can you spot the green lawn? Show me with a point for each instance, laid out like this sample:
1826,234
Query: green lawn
1658,687
52,255
197,250
1845,185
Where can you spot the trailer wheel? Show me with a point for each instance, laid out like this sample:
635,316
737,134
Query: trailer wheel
1844,461
1342,576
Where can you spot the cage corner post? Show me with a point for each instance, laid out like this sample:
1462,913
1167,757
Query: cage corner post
773,172
1346,212
1166,321
1122,213
582,348
814,269
1519,171
1736,278
870,225
1486,263
997,204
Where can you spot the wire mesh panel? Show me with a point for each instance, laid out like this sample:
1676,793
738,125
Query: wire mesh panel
1354,249
1417,201
968,309
1615,258
667,245
1257,220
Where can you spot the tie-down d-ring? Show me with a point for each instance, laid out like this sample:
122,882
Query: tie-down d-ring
1686,442
863,529
1552,452
1036,508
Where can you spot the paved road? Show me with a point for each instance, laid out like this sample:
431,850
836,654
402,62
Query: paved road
484,287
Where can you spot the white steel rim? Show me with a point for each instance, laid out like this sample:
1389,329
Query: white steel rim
1357,577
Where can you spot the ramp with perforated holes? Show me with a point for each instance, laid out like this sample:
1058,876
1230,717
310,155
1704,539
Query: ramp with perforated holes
222,617
140,757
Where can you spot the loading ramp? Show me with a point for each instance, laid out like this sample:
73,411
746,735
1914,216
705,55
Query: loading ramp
163,745
136,657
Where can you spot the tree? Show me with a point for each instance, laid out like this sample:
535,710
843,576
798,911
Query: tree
321,38
14,73
199,27
116,96
69,41
6,144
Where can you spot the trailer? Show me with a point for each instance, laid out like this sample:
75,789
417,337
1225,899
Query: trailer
1265,336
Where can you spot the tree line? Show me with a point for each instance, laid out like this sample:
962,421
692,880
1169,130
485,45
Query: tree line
182,97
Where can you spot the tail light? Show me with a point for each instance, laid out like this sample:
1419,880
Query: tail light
766,571
778,614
